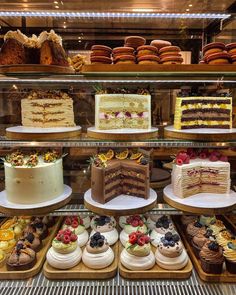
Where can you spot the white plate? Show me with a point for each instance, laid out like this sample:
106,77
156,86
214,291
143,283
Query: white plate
23,129
123,131
202,200
202,130
9,205
122,202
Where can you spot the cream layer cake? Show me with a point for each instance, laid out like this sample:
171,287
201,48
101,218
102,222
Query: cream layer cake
117,111
203,112
200,176
47,109
33,179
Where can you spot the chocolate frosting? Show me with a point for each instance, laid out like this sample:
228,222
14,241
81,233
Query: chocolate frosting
211,256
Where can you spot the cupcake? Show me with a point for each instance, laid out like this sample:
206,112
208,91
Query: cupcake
217,227
211,257
21,258
65,252
207,220
105,226
230,256
97,253
137,254
186,219
32,240
75,225
133,223
199,240
193,228
224,237
163,225
170,253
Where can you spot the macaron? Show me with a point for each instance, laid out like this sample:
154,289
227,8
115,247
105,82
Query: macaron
219,58
134,41
100,60
233,59
213,47
125,59
231,48
119,51
160,43
148,60
146,50
171,59
101,50
169,50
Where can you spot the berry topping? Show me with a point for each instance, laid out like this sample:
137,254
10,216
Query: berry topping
202,155
213,158
30,237
135,223
102,220
197,224
224,159
232,245
214,246
140,223
66,239
68,221
75,224
163,221
132,238
209,233
97,240
141,241
59,237
73,237
144,161
168,236
179,161
138,238
172,243
176,238
67,232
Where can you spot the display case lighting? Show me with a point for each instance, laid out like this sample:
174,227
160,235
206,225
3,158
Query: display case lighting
153,15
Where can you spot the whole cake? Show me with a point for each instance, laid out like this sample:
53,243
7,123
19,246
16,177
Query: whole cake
203,112
111,178
47,109
202,172
31,179
118,111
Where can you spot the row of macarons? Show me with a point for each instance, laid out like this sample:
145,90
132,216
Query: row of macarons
219,53
66,252
212,242
135,51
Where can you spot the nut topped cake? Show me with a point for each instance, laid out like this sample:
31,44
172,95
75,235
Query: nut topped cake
200,172
113,175
47,109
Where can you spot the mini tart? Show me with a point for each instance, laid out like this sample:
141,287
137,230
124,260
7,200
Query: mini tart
134,41
218,58
231,48
64,261
119,51
207,220
147,50
101,50
125,59
213,47
148,59
21,258
170,253
170,60
100,60
160,43
13,224
230,257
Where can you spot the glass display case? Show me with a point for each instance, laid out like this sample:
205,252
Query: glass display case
189,25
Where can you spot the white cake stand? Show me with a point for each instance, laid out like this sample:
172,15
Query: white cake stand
203,134
202,203
34,133
121,205
123,134
10,208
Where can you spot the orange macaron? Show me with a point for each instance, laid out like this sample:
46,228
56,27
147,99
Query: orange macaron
101,50
231,48
125,59
146,50
169,50
148,60
119,51
134,41
214,47
171,59
219,58
100,60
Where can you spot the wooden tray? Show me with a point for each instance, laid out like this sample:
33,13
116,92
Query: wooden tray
81,271
35,69
146,70
156,272
41,255
225,276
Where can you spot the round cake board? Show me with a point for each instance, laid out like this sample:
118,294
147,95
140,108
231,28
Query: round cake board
121,205
123,134
10,208
36,133
202,203
203,134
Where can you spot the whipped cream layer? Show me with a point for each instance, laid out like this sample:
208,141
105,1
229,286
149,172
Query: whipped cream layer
98,260
171,263
133,262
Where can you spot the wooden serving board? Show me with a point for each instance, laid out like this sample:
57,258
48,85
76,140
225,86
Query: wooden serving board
35,69
225,276
81,271
156,272
26,274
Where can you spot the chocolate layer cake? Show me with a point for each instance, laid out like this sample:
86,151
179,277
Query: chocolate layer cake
203,112
119,177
